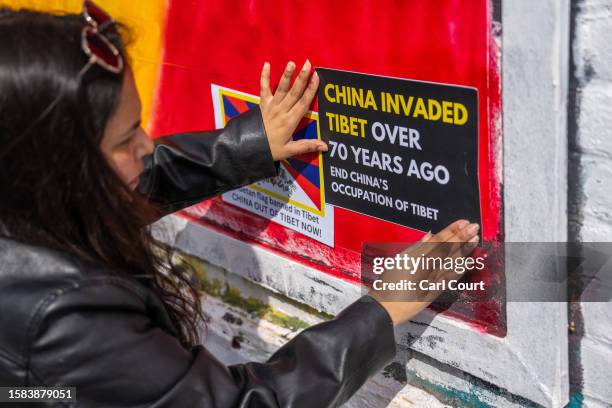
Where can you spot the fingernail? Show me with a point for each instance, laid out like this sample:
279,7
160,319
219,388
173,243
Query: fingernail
314,77
475,239
266,65
290,66
463,223
473,228
426,236
306,66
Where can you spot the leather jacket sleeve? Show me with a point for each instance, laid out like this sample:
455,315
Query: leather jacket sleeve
101,337
187,168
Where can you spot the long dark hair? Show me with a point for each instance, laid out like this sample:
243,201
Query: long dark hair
56,187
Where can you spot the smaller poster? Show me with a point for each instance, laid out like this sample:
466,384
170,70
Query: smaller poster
400,150
295,197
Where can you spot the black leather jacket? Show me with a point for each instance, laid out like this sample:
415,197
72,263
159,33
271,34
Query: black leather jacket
64,322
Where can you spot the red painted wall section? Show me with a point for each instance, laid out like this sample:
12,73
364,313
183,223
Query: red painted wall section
226,43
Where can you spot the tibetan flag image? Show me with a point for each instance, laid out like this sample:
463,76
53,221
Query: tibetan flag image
295,198
305,169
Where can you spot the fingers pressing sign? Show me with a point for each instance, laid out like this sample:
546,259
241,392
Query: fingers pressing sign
457,240
283,110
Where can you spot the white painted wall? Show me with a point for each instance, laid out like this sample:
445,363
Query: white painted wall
592,51
535,72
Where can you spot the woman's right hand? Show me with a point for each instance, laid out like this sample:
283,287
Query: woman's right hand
456,240
283,110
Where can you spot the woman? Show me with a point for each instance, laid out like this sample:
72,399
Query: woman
87,297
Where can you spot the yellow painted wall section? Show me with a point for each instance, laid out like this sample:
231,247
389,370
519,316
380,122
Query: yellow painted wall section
145,19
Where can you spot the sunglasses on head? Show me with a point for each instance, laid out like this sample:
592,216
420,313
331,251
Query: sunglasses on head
96,46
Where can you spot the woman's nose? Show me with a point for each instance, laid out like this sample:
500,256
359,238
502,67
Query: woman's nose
144,144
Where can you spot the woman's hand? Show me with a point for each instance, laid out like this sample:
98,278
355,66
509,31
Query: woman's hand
456,240
283,111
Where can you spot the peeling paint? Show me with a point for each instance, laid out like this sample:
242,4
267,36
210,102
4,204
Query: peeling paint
233,319
322,282
233,297
474,397
576,401
397,371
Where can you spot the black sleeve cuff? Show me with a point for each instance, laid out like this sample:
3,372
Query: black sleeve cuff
255,150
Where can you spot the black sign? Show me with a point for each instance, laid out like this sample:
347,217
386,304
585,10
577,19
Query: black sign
399,150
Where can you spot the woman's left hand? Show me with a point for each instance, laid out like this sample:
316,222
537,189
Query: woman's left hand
283,111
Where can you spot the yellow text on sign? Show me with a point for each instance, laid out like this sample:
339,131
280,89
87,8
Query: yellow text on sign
416,107
347,125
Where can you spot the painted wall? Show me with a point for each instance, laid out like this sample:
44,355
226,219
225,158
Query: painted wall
250,320
209,44
538,84
591,197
